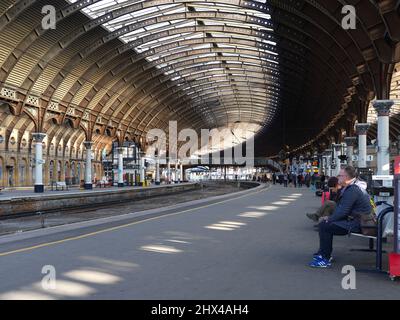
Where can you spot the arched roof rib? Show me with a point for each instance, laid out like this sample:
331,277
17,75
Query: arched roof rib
134,65
368,52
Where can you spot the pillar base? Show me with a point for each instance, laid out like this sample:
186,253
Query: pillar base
121,185
88,186
175,181
158,183
39,188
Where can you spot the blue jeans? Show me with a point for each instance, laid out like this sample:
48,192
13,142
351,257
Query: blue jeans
326,232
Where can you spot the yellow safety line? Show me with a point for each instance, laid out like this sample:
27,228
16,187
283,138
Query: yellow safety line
86,235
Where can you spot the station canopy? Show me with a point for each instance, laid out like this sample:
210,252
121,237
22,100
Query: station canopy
286,71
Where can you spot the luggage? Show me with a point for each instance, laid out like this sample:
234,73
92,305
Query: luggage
318,193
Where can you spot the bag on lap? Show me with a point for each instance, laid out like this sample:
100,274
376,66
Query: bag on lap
325,196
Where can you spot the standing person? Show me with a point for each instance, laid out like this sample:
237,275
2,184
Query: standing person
274,178
300,180
285,179
323,179
313,180
307,180
294,179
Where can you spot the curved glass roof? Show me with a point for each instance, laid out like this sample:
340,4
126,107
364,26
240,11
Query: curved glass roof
221,54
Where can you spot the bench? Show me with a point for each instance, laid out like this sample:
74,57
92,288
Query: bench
103,183
59,184
378,238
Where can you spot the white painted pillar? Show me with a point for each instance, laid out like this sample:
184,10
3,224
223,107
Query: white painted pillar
350,142
39,137
168,171
157,171
181,178
88,165
120,151
382,107
142,171
361,129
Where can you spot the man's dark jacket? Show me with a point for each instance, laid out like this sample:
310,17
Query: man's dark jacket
354,201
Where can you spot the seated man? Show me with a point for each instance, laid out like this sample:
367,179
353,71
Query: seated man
329,205
354,201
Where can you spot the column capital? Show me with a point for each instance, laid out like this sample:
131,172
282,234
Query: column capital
382,107
350,141
39,136
88,144
362,128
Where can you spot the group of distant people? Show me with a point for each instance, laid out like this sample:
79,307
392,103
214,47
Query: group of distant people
292,179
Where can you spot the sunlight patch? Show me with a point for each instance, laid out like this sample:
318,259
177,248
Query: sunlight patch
25,295
92,276
280,203
69,289
267,208
160,249
253,214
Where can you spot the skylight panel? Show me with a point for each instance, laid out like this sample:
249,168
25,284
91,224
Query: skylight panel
235,58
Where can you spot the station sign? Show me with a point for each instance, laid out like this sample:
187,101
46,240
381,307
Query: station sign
387,180
382,177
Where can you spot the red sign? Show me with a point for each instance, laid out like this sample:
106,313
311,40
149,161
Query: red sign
396,166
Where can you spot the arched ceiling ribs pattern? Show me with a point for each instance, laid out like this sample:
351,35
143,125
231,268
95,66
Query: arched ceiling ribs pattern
181,11
366,57
287,67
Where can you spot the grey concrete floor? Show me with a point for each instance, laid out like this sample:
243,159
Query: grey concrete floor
253,246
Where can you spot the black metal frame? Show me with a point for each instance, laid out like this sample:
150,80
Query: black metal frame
379,240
